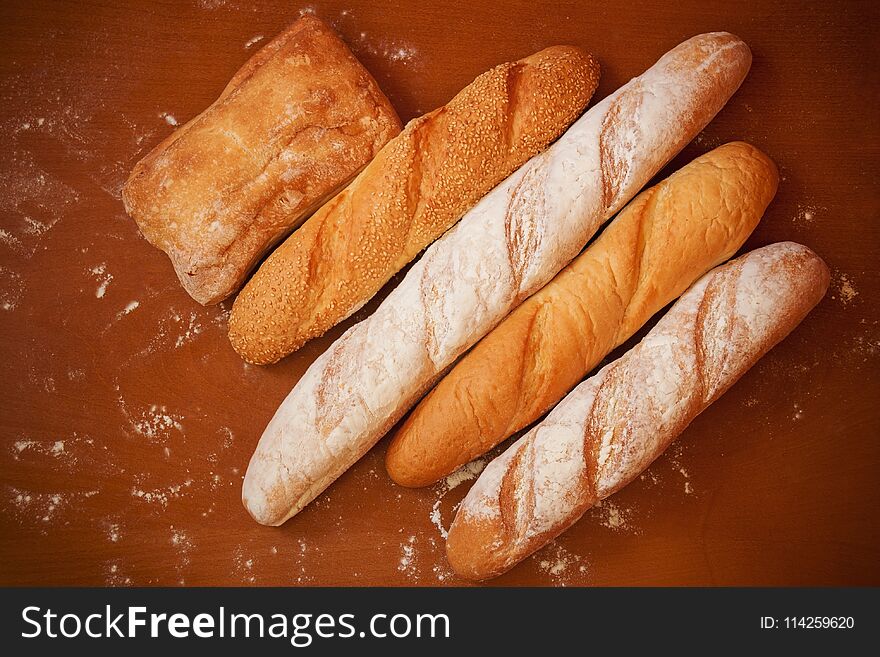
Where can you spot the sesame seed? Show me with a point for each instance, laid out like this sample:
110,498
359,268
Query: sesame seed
417,187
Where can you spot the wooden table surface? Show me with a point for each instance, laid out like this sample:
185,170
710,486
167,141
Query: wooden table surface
127,420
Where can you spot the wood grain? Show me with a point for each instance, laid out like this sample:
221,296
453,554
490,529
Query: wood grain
126,429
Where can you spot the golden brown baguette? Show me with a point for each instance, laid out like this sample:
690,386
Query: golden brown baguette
613,425
507,247
658,245
417,187
294,124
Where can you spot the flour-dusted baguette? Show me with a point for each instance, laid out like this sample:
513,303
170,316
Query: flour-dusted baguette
506,248
418,186
613,425
295,124
659,244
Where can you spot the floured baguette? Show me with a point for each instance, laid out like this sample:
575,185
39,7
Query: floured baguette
418,186
612,426
294,124
506,248
659,244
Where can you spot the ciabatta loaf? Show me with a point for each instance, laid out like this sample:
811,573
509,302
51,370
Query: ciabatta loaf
506,248
613,425
294,124
417,187
659,244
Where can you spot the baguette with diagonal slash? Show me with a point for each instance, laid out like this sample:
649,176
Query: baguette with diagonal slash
613,425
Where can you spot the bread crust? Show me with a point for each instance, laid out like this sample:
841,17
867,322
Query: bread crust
658,245
299,120
502,251
613,425
418,186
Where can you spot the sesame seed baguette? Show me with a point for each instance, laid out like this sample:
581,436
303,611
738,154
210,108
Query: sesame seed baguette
502,251
611,427
418,186
292,127
659,244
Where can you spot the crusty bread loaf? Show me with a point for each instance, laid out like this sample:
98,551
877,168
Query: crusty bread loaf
505,249
295,124
417,187
659,244
612,426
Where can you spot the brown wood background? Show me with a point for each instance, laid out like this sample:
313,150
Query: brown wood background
127,420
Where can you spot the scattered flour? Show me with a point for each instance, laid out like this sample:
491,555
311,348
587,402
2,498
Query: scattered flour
175,329
441,572
611,515
244,565
437,519
44,508
650,476
253,40
66,451
169,118
113,574
131,307
676,452
34,227
21,445
100,273
11,288
32,202
161,496
157,423
222,316
845,291
865,347
465,473
688,489
706,141
183,545
303,577
72,109
394,51
9,239
228,437
193,329
406,565
401,53
560,564
806,214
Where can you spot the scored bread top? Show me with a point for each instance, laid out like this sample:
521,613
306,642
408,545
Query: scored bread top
416,188
614,424
294,124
